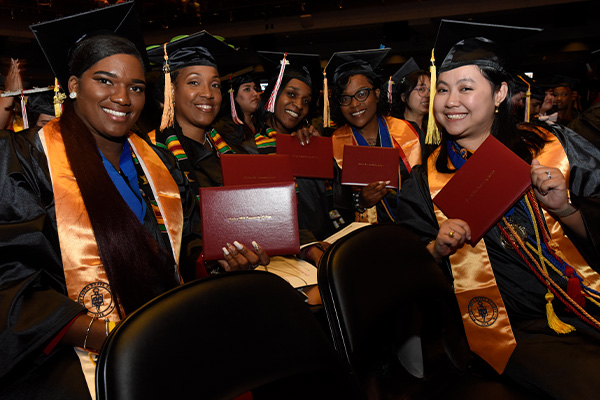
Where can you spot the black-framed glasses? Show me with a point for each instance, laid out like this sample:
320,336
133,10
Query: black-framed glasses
360,95
422,91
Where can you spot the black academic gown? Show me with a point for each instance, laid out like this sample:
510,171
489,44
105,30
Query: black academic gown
34,305
540,352
239,137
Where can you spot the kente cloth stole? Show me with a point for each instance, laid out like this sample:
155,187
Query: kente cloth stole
85,276
269,139
219,143
481,306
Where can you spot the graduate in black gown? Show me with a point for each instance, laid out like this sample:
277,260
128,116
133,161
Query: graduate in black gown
284,108
192,99
357,108
531,315
92,218
236,122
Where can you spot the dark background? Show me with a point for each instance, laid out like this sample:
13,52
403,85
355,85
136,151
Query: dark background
569,45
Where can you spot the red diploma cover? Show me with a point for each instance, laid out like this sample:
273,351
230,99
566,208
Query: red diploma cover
264,213
251,169
313,160
366,164
485,188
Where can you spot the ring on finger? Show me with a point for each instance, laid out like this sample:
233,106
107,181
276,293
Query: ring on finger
549,175
451,234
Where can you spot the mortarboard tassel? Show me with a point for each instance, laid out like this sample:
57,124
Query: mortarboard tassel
58,99
24,112
168,109
554,322
527,99
390,85
270,107
234,115
433,133
326,108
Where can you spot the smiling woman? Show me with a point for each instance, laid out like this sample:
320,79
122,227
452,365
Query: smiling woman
538,267
110,97
192,100
356,108
92,218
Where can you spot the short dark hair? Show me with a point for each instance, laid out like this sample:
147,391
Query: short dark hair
340,84
92,49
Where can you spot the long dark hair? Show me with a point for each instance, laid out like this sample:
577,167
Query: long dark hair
262,115
524,143
339,85
137,267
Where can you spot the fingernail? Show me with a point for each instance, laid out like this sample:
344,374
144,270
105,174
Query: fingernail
301,143
230,247
238,245
387,182
255,245
225,252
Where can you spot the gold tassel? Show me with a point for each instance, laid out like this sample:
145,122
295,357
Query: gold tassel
168,109
433,133
58,99
326,110
553,321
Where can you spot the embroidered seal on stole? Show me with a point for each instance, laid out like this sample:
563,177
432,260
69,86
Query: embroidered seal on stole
483,311
94,294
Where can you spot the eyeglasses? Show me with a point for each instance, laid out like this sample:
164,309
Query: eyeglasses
422,91
361,95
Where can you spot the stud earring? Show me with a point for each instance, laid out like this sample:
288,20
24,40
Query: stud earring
73,95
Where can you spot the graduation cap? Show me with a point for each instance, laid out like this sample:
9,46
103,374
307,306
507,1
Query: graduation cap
182,51
460,43
399,76
41,103
41,100
349,62
200,48
305,67
407,68
58,37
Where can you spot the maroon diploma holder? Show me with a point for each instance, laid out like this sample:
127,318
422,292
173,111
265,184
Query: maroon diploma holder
265,213
365,164
251,169
313,160
485,188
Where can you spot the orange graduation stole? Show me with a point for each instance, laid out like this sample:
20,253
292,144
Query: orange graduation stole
85,276
404,138
481,306
484,316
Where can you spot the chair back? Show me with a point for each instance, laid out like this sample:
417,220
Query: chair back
218,338
366,278
381,277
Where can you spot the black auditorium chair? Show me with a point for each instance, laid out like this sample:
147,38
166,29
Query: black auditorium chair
219,338
380,286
